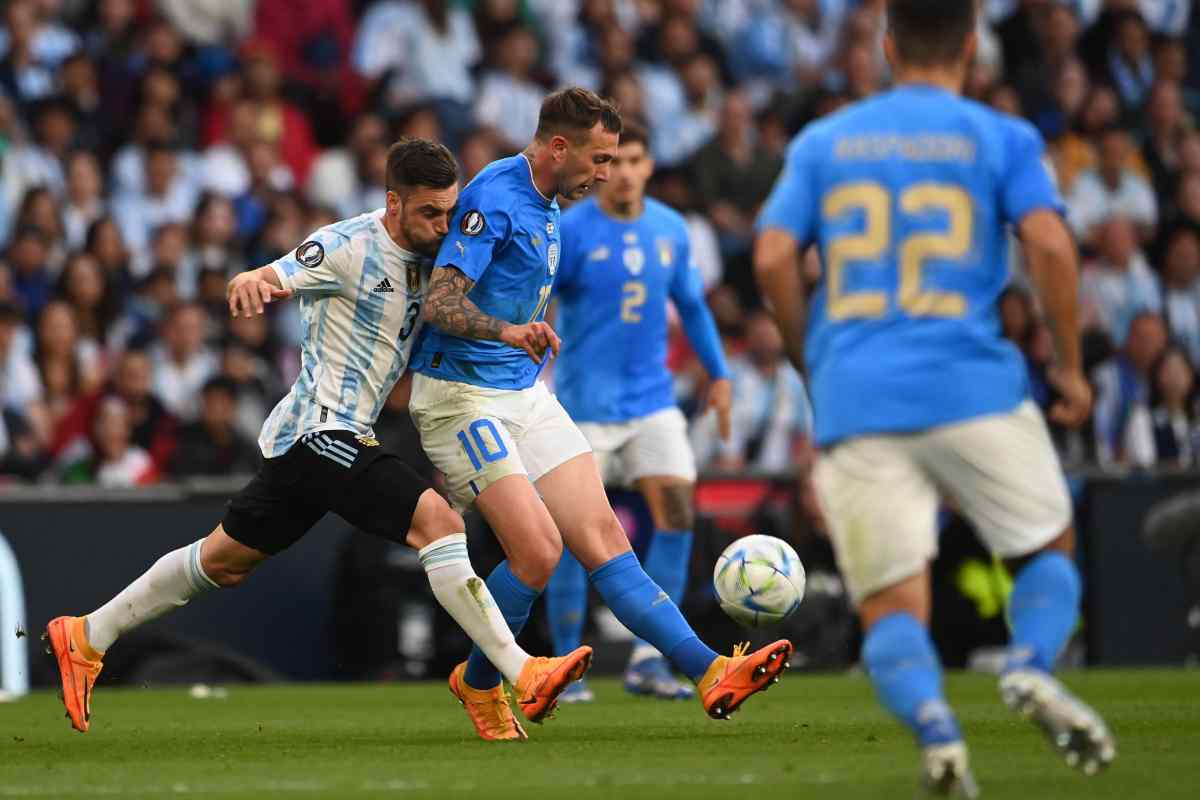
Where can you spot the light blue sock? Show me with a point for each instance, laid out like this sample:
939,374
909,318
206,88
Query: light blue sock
566,604
514,599
907,675
643,607
667,563
1043,610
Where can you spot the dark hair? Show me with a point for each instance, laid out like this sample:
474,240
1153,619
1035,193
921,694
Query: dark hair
633,132
420,162
928,32
220,383
1156,392
575,111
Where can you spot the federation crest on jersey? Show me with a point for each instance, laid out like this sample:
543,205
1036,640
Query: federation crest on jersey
310,254
634,259
666,256
414,279
367,441
552,257
472,223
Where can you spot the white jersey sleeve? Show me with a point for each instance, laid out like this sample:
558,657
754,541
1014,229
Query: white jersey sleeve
321,265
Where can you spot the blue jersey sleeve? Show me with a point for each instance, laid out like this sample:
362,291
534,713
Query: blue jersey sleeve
687,292
792,204
1026,184
480,227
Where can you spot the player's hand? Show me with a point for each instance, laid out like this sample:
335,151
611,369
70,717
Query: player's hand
1075,398
249,294
534,338
720,399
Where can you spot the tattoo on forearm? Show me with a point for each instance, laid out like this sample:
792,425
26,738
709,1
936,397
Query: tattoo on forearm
447,307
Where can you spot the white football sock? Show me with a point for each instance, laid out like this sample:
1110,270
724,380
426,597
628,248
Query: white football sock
169,583
466,597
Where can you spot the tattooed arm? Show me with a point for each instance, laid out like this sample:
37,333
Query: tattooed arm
447,307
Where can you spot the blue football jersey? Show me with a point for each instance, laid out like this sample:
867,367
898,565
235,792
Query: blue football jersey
908,197
612,291
505,237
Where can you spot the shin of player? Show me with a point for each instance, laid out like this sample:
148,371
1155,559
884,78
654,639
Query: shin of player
504,442
889,356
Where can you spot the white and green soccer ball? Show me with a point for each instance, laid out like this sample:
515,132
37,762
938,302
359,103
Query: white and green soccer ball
759,581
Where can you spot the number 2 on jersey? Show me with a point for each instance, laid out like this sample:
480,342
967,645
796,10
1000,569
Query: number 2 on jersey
633,297
876,204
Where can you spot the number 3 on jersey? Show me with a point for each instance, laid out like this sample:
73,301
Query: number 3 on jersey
872,244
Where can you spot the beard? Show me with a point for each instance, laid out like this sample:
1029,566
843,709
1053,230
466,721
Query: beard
422,246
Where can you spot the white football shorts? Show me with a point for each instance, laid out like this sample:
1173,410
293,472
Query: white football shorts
477,436
653,445
880,494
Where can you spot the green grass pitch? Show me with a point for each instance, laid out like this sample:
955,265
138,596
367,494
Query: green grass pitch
808,737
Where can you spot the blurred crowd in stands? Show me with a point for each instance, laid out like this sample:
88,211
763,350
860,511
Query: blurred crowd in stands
149,149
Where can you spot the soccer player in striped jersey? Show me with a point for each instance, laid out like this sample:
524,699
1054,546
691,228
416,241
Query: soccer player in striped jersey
361,284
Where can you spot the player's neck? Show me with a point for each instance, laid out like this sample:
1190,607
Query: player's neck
541,171
395,232
622,211
948,78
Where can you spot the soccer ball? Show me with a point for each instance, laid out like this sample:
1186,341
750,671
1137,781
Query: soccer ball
759,580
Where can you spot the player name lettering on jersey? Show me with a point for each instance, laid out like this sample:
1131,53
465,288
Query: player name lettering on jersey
919,147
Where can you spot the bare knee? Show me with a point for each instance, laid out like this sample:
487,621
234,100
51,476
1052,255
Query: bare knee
227,562
537,560
677,511
433,519
1063,543
600,540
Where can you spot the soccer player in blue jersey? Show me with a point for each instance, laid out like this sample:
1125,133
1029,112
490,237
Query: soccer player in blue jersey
360,284
505,443
624,256
916,394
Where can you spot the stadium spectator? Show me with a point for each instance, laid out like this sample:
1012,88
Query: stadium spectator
84,203
40,211
1166,127
70,366
1112,188
1162,432
1129,62
509,100
771,414
28,255
1122,383
1119,284
181,361
732,175
84,286
168,197
1181,289
26,68
104,243
681,134
347,179
213,445
113,460
20,384
417,52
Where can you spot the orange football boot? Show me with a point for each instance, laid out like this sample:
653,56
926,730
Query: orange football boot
542,680
731,680
78,667
488,709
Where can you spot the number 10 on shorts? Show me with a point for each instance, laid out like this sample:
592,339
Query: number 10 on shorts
490,451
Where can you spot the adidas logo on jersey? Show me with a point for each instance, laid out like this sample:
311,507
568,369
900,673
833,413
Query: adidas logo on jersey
384,286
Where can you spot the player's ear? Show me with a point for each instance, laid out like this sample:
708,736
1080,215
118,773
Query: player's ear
969,48
395,203
889,49
559,146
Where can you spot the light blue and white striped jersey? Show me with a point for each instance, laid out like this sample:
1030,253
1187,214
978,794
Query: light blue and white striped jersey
360,305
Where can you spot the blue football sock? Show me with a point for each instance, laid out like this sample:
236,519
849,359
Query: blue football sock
667,563
566,604
514,599
907,675
1043,610
643,607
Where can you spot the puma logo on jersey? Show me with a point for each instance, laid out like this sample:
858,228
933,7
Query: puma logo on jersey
384,286
599,254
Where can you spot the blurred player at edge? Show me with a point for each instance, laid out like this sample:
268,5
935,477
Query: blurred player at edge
504,442
908,196
624,256
361,284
